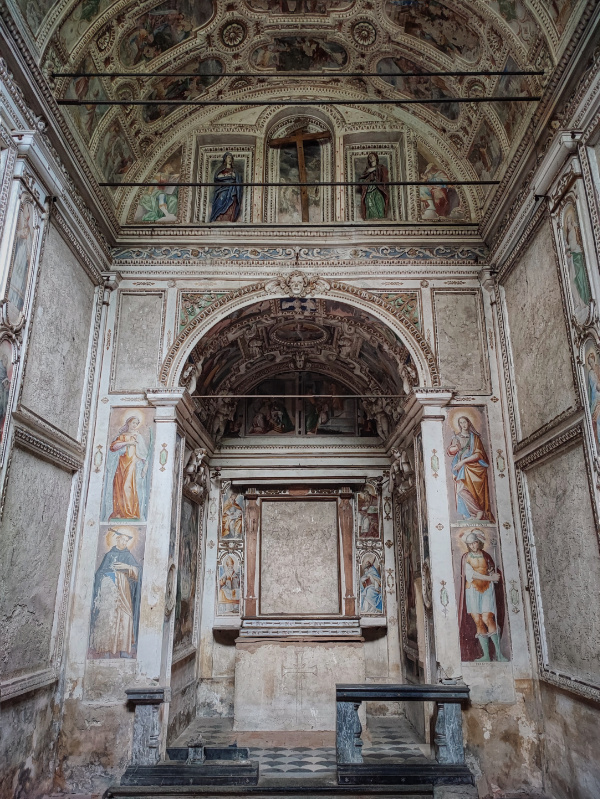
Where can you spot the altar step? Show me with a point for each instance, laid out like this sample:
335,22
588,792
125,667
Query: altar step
290,790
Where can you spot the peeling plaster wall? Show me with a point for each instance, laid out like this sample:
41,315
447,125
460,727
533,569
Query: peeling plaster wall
538,334
27,744
31,547
571,763
458,321
138,337
54,379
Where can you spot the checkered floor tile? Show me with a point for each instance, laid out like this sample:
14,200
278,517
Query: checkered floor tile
386,740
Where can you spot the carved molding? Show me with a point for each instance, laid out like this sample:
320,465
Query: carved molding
25,439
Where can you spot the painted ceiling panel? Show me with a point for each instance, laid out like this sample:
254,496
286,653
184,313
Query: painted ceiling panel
205,38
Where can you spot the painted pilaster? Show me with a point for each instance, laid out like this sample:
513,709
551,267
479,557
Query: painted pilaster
156,561
393,631
445,608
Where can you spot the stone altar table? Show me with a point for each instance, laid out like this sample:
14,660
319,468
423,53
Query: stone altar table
285,685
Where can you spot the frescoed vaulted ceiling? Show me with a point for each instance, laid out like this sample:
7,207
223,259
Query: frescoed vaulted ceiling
204,38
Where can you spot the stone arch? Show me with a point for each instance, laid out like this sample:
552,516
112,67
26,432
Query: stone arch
421,353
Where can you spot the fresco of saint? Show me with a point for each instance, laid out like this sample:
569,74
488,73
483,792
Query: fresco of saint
160,203
227,199
580,284
368,513
116,598
133,457
6,371
375,196
593,386
232,520
481,604
470,465
371,598
19,276
229,585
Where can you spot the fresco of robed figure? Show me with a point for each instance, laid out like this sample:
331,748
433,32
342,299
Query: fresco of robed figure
127,468
371,597
116,595
227,197
469,466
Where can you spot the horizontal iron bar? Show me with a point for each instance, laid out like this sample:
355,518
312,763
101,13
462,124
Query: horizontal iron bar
307,74
402,693
203,103
322,183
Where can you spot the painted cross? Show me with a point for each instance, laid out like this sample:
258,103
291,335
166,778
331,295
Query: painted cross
299,137
299,672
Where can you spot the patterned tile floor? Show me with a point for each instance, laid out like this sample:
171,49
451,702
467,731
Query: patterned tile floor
386,740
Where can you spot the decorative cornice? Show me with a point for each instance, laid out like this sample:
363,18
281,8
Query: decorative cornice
25,439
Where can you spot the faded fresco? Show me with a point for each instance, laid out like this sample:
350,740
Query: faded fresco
181,88
114,156
232,515
560,11
187,574
416,87
368,512
332,414
511,114
79,20
299,6
6,375
229,584
162,28
592,384
22,256
34,12
371,585
289,209
161,203
438,25
87,117
480,592
517,17
299,53
272,415
437,202
407,302
576,263
486,153
116,594
469,466
129,455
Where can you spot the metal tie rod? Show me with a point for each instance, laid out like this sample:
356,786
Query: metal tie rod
298,396
485,73
202,103
313,183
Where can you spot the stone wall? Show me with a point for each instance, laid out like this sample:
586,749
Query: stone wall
58,349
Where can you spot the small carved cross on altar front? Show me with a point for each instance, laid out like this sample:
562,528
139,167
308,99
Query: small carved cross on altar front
298,137
299,673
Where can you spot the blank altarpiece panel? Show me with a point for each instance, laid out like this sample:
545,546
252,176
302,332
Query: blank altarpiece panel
299,572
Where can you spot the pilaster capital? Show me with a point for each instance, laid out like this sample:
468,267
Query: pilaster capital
110,282
430,401
166,401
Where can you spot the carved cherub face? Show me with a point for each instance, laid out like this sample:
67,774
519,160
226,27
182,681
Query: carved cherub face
296,285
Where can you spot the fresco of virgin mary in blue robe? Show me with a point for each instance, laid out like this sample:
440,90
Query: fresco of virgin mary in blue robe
371,599
227,199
